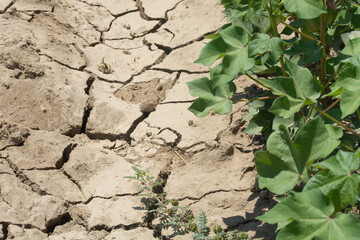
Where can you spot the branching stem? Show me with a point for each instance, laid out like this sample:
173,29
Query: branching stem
254,99
332,105
299,32
255,80
335,121
276,34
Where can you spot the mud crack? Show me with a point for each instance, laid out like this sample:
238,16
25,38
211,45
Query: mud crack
7,7
66,155
120,226
81,68
58,221
5,229
178,136
127,137
167,70
197,199
88,106
25,180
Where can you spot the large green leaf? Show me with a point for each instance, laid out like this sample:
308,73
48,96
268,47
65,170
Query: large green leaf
352,47
274,173
297,90
260,121
301,85
232,46
310,51
210,98
284,107
261,43
338,179
309,215
348,89
287,159
305,9
212,51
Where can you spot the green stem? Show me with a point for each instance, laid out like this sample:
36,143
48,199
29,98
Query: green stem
347,147
310,112
301,169
335,121
358,113
299,32
323,44
255,80
332,105
254,99
340,2
276,34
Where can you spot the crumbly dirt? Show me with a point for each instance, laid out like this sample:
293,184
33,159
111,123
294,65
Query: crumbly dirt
70,132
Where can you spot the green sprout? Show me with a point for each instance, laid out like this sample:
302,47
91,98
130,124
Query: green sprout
105,67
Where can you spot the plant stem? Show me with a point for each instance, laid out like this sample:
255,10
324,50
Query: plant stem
299,32
276,34
332,105
340,2
283,66
347,147
323,44
310,112
254,99
255,80
335,121
358,113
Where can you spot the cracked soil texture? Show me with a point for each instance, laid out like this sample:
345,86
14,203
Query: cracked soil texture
70,130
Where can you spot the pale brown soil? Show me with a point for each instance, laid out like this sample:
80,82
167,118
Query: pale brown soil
69,133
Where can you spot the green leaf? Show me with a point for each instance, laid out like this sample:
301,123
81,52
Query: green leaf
212,51
301,85
232,46
237,61
352,47
275,174
201,87
348,89
210,98
338,179
305,9
308,215
260,121
236,37
284,107
276,48
304,81
261,43
350,101
310,51
343,18
288,159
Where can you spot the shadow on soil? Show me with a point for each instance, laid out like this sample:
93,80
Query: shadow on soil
249,223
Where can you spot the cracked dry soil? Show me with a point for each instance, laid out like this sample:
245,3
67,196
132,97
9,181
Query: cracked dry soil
69,133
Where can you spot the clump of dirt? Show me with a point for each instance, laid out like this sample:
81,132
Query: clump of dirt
12,134
149,94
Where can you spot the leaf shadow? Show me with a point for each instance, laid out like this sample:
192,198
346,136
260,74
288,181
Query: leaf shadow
250,223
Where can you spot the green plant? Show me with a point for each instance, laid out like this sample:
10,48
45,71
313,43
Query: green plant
104,67
180,218
309,50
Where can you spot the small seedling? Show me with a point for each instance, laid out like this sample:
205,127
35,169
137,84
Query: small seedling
104,67
180,218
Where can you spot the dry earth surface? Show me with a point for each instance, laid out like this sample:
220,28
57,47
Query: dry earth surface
70,132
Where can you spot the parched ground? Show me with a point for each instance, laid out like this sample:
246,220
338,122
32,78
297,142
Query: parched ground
70,132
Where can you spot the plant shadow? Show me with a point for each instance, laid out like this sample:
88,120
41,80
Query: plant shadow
250,223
